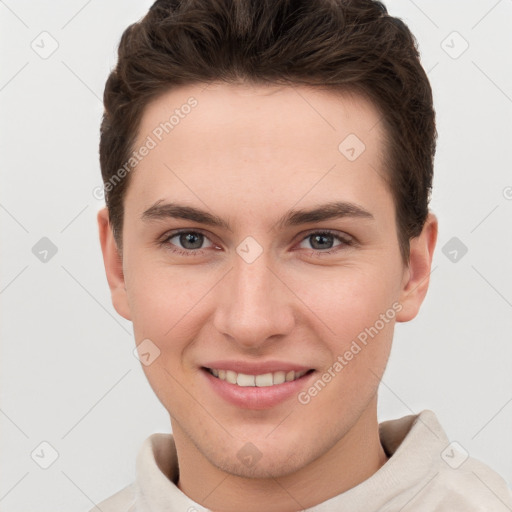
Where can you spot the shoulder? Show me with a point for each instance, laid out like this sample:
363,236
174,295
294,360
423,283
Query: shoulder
472,487
121,501
434,474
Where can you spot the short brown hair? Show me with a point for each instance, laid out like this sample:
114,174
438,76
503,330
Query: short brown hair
344,45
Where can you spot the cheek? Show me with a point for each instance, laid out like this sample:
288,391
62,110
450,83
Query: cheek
170,309
355,319
165,310
347,299
360,317
162,297
173,302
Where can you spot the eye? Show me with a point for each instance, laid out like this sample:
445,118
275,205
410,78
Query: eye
321,241
190,242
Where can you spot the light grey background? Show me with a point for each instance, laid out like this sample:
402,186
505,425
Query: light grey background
68,374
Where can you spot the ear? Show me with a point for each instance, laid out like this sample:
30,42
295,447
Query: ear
113,265
417,274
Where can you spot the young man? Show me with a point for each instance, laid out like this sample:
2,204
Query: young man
268,168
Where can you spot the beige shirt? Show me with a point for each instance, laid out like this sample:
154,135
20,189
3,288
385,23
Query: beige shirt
425,473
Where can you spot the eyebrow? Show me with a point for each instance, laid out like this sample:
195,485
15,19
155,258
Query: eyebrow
332,210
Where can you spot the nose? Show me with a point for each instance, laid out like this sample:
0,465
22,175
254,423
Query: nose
255,305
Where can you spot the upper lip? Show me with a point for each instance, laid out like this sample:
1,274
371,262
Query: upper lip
259,368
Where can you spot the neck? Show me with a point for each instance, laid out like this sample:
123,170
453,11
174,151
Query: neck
352,460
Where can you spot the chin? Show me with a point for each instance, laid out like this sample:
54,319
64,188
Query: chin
262,466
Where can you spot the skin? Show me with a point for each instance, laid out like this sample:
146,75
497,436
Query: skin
248,154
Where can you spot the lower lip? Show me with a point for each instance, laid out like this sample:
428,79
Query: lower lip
254,397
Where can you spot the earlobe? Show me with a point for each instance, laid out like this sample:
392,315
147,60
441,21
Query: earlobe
417,276
113,265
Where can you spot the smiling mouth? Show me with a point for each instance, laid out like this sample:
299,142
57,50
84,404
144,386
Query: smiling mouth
261,380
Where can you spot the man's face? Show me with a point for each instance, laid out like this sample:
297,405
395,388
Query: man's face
260,296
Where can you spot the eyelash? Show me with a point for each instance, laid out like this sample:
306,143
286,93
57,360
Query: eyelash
348,242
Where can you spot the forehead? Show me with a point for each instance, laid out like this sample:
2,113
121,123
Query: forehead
258,111
269,143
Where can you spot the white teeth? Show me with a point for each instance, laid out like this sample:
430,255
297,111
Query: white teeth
263,380
231,376
245,380
279,377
